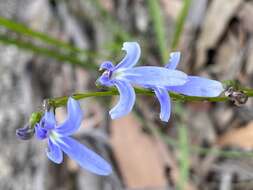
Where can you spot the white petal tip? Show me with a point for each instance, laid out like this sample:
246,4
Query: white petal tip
164,118
106,172
115,115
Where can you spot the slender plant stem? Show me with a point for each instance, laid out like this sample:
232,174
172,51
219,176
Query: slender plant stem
61,101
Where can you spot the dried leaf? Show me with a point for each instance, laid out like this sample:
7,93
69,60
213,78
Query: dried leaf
137,155
217,18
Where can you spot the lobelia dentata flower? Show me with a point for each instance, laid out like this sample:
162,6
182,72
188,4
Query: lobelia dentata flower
124,76
58,139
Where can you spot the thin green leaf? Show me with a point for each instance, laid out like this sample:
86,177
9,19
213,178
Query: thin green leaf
44,51
159,29
208,151
180,23
183,157
22,29
111,23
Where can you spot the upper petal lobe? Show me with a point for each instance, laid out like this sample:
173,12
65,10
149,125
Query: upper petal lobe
49,120
74,119
173,61
107,65
133,53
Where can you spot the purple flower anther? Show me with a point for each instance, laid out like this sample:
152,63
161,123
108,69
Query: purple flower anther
59,140
124,76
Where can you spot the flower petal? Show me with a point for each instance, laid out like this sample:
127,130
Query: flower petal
85,157
40,132
152,76
199,86
173,61
54,153
74,119
126,99
104,79
133,52
49,120
106,65
165,104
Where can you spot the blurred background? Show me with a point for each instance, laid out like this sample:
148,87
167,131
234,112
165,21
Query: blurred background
51,48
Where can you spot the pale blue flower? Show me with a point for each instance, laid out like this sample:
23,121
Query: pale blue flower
124,76
194,86
58,139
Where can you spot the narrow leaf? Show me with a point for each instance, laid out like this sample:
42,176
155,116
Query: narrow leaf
44,51
159,28
180,23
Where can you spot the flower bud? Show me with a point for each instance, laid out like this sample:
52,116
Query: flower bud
25,133
238,97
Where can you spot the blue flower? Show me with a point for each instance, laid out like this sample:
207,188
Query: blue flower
124,75
59,141
194,86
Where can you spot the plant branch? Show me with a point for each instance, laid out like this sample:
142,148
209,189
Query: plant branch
61,101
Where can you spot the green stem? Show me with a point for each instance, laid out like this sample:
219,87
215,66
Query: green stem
61,101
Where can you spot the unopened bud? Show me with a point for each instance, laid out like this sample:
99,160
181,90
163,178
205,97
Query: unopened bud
25,133
238,97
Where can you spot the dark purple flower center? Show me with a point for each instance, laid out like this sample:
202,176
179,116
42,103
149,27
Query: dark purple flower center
108,73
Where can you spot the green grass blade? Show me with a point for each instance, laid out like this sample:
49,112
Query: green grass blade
111,23
22,29
204,151
180,23
159,28
44,51
184,157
